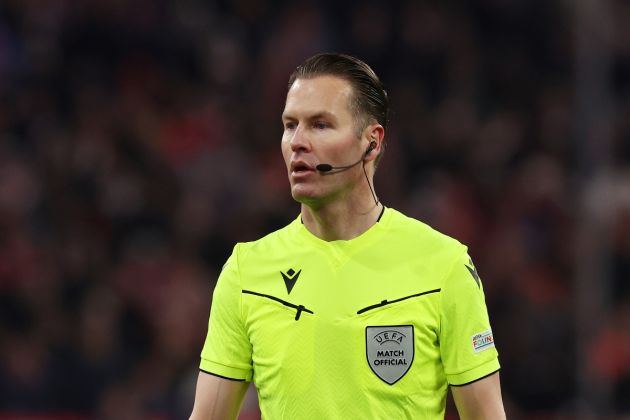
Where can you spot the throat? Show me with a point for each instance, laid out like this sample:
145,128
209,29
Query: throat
331,225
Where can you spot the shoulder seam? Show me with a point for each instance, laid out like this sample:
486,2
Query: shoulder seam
446,275
237,249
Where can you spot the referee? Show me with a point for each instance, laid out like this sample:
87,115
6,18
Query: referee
353,310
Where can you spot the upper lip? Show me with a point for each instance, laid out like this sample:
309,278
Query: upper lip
297,165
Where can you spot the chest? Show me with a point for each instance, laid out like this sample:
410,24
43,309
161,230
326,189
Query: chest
361,319
341,286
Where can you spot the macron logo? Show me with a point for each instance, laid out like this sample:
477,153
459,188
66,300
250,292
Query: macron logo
290,278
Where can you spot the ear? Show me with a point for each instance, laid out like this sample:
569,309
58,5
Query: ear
374,134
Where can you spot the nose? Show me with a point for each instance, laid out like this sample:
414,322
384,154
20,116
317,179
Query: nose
300,141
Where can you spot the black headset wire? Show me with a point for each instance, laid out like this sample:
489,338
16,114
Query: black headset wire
376,201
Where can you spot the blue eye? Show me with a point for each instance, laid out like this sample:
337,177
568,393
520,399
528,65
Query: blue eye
320,125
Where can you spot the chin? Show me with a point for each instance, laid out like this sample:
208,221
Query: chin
304,195
301,196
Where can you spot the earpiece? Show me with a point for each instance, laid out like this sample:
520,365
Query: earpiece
371,147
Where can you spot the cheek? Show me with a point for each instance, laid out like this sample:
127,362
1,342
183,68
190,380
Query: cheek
286,152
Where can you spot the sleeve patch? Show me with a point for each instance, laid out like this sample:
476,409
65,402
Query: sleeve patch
482,341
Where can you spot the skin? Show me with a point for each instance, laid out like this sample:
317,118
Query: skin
217,398
319,127
480,400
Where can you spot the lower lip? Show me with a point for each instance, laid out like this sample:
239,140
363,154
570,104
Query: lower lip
301,174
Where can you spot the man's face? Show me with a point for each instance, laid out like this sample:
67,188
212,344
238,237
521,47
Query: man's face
319,127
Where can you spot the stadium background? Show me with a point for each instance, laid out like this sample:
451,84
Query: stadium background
140,141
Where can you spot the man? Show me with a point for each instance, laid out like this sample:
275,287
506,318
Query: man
353,310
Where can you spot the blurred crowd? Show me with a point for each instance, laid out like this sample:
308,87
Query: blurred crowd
139,140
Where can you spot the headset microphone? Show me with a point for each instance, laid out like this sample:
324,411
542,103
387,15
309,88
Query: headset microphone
325,167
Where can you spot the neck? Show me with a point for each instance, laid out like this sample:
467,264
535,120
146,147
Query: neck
343,219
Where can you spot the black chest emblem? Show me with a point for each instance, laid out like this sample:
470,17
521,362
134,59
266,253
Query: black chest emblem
290,278
389,350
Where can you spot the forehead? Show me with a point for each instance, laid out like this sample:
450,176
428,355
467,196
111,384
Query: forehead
319,94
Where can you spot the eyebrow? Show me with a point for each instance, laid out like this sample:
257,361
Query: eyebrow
319,114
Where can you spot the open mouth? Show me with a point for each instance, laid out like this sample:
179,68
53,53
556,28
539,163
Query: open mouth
300,168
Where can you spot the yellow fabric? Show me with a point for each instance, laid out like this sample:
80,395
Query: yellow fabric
316,367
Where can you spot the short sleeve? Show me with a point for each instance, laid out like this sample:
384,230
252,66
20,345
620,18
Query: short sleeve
227,351
466,341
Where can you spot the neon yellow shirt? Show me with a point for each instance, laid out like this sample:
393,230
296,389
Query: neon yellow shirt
375,327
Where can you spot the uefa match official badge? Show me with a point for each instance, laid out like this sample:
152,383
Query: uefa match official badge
389,350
